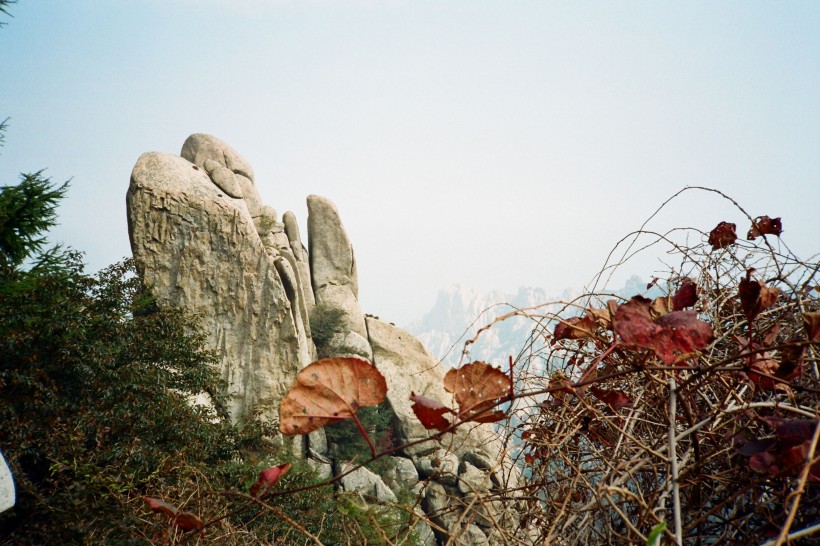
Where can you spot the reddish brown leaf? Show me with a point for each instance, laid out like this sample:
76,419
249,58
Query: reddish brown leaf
789,453
763,369
188,521
330,390
763,225
529,458
792,431
686,296
430,412
785,461
268,477
477,387
723,235
160,506
672,336
812,322
755,296
615,399
791,362
759,364
575,328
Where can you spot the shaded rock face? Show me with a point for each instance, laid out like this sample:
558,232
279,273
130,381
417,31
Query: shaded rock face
203,239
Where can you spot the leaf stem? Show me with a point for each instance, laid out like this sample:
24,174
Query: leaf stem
364,433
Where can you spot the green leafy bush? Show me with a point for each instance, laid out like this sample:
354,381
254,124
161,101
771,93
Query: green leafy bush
325,323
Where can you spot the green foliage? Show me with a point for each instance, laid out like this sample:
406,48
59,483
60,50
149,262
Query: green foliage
350,445
4,9
333,517
654,537
94,404
27,210
325,323
95,388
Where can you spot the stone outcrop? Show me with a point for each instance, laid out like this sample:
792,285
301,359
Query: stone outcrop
203,239
197,248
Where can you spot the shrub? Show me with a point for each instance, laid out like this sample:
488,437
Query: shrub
325,323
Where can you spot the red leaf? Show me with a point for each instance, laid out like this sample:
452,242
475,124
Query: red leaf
159,505
430,412
330,390
615,399
788,455
755,296
188,521
529,458
269,476
792,431
672,336
477,387
785,462
812,323
686,296
763,225
723,235
763,369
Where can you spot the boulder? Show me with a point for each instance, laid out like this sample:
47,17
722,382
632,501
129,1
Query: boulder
351,344
402,474
473,480
366,482
407,367
441,466
227,182
472,536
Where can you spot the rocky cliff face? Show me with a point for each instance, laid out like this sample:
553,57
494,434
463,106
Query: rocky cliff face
203,239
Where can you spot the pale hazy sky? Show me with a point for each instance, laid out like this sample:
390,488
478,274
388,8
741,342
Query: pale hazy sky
492,144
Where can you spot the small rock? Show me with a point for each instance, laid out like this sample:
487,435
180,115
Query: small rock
473,536
473,480
403,475
441,466
367,483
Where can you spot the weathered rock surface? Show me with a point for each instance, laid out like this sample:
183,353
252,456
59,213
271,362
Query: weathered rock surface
199,249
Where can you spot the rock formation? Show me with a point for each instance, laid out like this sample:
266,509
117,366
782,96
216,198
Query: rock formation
203,240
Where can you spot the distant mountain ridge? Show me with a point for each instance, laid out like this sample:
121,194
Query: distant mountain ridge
459,312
